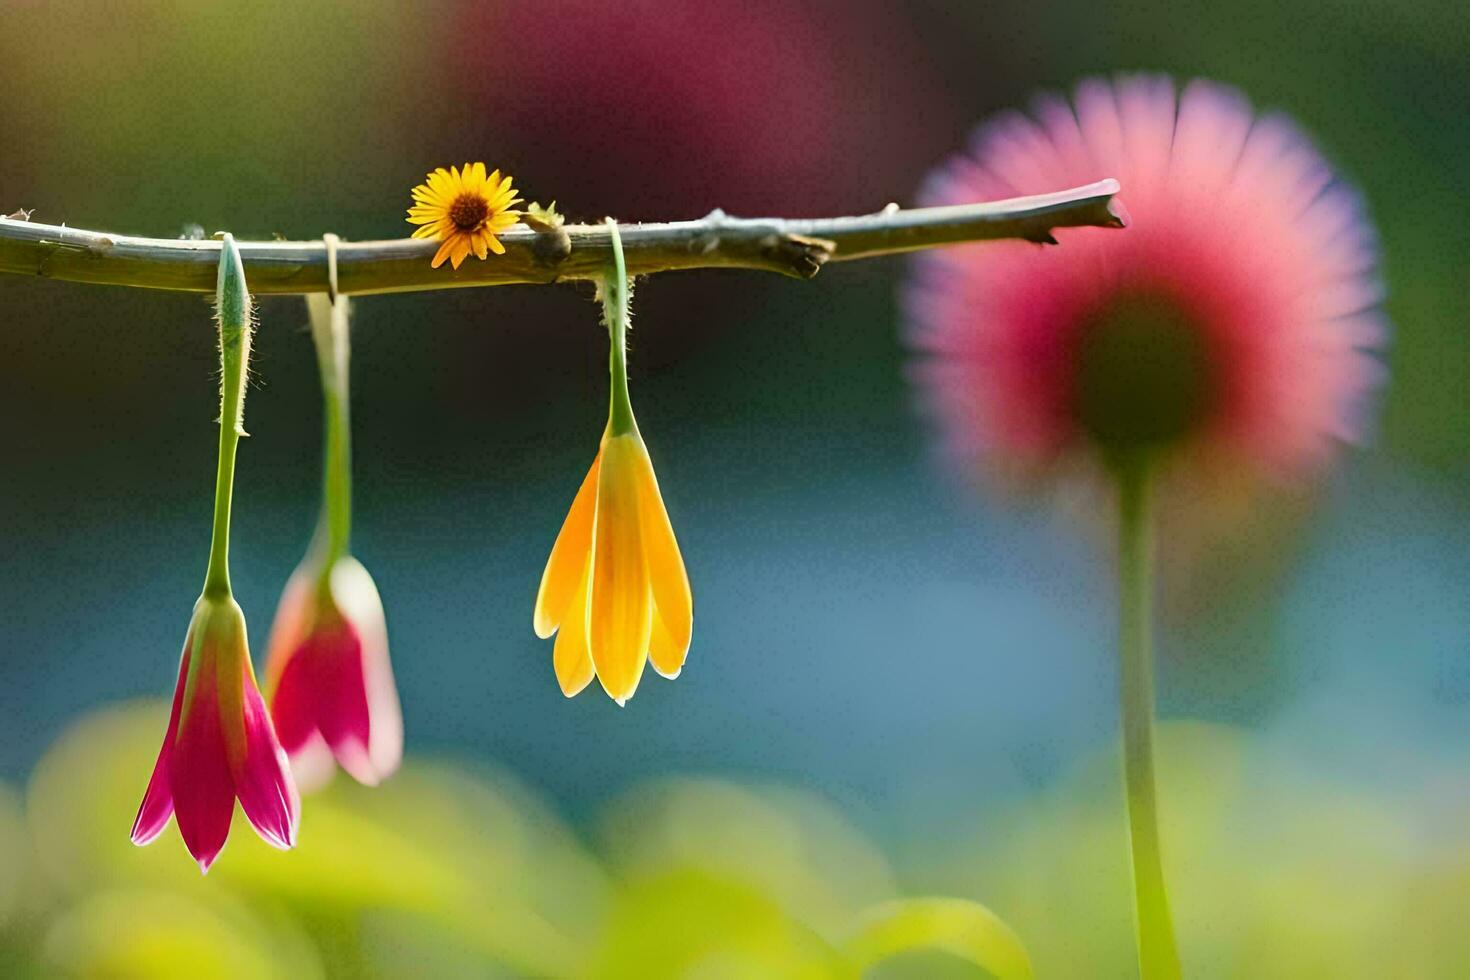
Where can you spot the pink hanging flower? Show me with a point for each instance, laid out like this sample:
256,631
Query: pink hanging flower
1234,321
328,672
220,745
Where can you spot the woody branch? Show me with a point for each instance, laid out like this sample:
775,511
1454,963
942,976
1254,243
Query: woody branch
796,248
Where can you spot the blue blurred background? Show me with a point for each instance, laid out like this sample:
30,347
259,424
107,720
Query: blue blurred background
927,670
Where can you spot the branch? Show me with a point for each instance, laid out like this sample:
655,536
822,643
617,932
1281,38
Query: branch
797,248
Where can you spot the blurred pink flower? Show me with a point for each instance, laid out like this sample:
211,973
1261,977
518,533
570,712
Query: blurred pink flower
219,745
329,676
1233,322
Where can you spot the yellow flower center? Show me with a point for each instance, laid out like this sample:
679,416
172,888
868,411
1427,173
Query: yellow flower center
468,211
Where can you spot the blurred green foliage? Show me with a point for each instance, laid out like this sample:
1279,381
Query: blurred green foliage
445,872
1275,870
448,871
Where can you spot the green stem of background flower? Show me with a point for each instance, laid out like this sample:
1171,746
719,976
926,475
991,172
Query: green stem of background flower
329,330
1158,955
615,312
232,311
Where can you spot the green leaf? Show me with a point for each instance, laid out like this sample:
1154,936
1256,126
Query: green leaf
965,929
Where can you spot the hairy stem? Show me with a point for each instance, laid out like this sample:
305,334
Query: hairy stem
233,314
615,312
1158,956
797,248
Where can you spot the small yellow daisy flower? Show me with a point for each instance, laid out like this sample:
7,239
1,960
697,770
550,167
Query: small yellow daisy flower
464,209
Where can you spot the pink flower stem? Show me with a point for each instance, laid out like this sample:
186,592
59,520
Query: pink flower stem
1158,955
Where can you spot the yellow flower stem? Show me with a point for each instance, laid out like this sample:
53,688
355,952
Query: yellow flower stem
615,314
1158,956
232,311
330,333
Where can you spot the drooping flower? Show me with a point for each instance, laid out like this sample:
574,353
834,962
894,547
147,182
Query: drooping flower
615,584
465,210
328,672
220,744
1234,322
330,681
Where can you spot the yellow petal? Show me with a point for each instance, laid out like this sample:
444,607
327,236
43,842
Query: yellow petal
667,578
620,606
495,246
666,655
502,222
460,251
565,567
571,658
442,254
479,244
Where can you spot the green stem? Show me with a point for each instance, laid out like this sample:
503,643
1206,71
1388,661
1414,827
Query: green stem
1158,956
233,315
329,330
615,311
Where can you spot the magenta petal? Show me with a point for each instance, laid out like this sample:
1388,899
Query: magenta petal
342,708
358,599
263,777
199,773
293,702
330,680
158,804
158,800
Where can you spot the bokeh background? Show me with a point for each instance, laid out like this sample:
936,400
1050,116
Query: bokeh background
898,686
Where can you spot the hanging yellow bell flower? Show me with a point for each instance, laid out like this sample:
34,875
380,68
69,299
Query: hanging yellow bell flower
615,583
